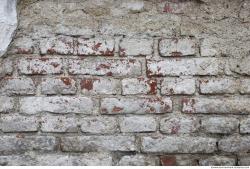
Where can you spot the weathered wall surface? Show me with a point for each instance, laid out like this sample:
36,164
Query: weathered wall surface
127,82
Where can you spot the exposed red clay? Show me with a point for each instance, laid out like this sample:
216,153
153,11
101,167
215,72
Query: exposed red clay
168,160
117,109
66,80
87,84
153,86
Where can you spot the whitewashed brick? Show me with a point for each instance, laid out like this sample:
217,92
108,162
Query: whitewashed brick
178,144
175,86
99,124
135,105
184,66
137,124
136,47
139,86
95,143
177,47
59,85
176,125
100,86
61,105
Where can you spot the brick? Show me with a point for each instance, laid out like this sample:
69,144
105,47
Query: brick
21,143
245,126
234,144
240,66
58,85
85,159
59,124
102,47
99,125
178,144
136,47
176,86
137,124
135,105
244,160
108,67
16,160
95,143
179,125
179,160
17,123
52,159
218,161
100,86
57,45
138,160
209,47
23,45
220,125
245,86
177,47
7,104
218,86
17,86
61,105
40,66
184,66
139,86
6,67
231,105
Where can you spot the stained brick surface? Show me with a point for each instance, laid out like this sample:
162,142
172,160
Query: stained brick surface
127,82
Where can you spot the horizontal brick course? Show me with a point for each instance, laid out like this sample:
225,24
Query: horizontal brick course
178,67
135,106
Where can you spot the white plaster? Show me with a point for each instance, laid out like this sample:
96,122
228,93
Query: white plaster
8,23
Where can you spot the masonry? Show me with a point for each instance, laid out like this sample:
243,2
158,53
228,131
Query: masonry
127,82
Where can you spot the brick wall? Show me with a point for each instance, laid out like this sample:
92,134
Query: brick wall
127,83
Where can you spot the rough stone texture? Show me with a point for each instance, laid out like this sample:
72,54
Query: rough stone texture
218,161
176,125
61,85
245,126
138,160
8,23
178,67
177,86
17,123
223,125
218,86
21,143
136,106
175,144
244,160
61,105
245,86
58,124
125,82
96,86
40,66
222,105
17,86
235,144
89,159
104,47
100,124
98,143
139,86
137,124
7,104
136,47
177,47
108,67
